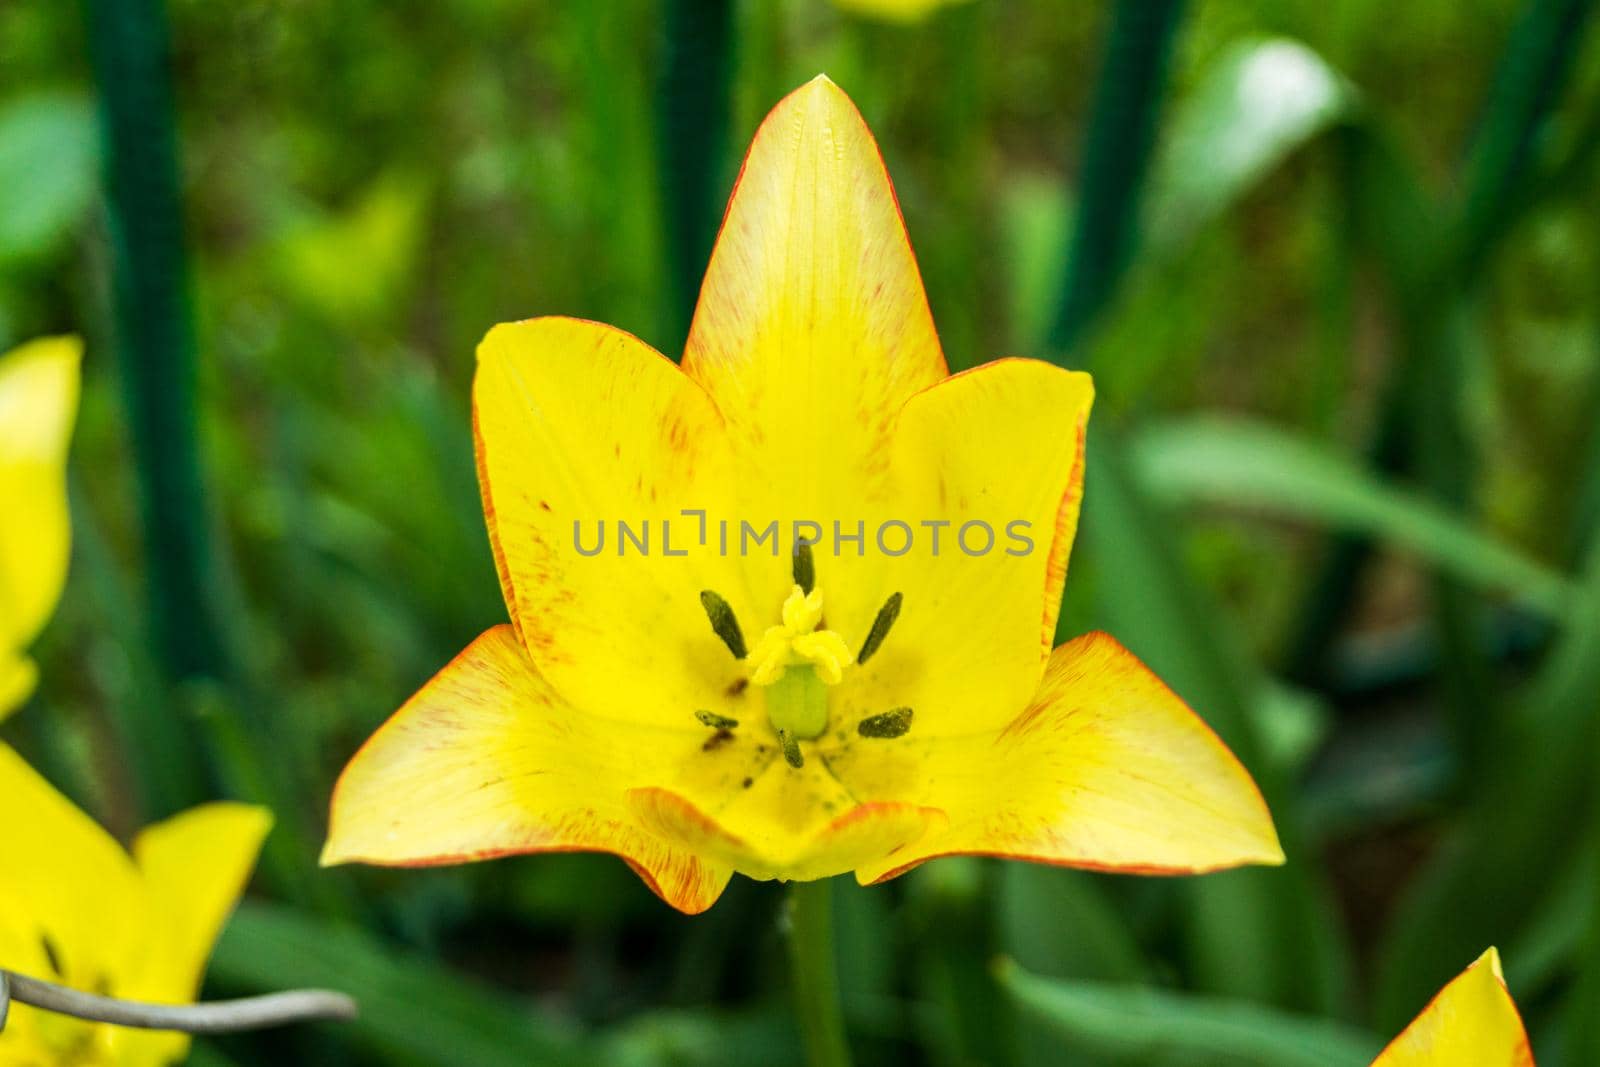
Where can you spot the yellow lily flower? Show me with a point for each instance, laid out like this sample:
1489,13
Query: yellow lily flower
77,910
38,399
1473,1022
895,10
900,701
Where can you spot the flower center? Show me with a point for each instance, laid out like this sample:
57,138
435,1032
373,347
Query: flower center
796,662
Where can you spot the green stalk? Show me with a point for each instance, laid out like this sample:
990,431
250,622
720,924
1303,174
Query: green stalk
1533,73
695,109
1116,155
155,342
205,682
815,971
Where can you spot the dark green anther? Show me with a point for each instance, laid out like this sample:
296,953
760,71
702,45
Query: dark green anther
805,567
715,721
723,622
890,724
880,628
791,749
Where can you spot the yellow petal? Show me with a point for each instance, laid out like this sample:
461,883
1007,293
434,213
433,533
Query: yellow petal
578,426
64,878
783,831
906,11
487,761
18,676
195,866
71,910
1105,769
38,400
1472,1021
996,454
812,327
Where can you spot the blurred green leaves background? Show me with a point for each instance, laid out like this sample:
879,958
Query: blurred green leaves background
1333,265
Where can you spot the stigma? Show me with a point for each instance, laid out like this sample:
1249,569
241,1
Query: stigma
797,643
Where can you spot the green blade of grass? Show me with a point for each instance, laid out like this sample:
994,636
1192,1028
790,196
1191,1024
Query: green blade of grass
695,105
1116,156
1235,462
1152,1028
414,1011
1255,106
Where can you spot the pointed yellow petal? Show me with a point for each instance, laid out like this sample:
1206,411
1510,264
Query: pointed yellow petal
64,879
996,455
812,328
195,866
1105,769
1473,1021
38,400
487,761
579,427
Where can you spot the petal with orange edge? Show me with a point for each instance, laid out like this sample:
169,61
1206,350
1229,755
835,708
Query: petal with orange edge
1473,1020
813,327
487,761
991,542
582,428
1105,769
794,824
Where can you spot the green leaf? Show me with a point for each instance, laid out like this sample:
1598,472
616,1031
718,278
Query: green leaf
1154,1028
412,1010
48,164
1236,462
1259,103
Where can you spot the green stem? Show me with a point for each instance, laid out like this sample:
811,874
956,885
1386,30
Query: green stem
155,340
1122,130
695,102
816,974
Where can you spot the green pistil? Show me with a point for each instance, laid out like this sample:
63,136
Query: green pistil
798,703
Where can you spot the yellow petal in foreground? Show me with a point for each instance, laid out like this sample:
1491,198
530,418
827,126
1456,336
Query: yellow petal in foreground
1473,1022
78,910
487,761
38,401
1105,769
701,703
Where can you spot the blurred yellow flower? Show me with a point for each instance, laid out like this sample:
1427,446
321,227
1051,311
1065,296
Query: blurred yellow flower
38,400
1471,1023
900,703
895,10
78,910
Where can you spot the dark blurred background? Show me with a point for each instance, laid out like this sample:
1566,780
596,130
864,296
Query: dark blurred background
1335,267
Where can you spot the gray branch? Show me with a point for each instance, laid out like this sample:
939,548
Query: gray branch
217,1017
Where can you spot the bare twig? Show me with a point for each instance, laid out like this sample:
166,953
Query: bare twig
218,1017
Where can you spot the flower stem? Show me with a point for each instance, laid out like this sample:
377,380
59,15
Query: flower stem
816,975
